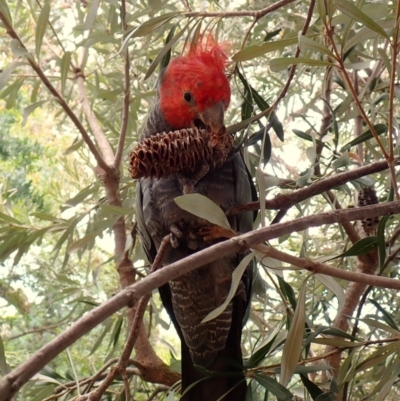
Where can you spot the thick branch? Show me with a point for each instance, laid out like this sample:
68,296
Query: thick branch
10,383
285,201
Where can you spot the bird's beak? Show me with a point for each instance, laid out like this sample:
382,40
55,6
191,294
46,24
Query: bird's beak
213,117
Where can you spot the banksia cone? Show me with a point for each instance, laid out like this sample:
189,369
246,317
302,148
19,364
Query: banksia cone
183,151
367,196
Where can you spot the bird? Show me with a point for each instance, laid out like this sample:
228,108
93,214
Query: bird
194,91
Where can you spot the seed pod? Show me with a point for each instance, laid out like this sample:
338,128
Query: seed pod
182,151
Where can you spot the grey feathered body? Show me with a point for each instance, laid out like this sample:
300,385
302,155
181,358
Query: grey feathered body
191,297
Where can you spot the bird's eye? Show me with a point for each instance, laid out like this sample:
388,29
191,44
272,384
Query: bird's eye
187,96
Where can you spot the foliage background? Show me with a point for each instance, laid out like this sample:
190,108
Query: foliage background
68,235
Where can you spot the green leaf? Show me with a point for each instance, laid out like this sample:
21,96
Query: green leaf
312,388
236,278
203,207
307,137
82,195
386,317
330,283
282,63
348,8
91,15
4,368
80,243
381,326
306,43
42,22
361,247
65,65
9,219
78,142
270,384
148,26
263,105
18,49
5,11
381,241
293,344
6,73
254,51
164,51
116,210
378,356
28,110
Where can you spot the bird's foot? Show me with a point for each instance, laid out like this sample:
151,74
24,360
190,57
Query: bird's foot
210,233
177,236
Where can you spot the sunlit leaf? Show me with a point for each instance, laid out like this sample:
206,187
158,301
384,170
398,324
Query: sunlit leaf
149,26
348,8
306,43
91,15
280,391
203,207
41,27
28,110
361,247
254,51
65,65
333,285
4,368
236,279
6,73
5,11
293,344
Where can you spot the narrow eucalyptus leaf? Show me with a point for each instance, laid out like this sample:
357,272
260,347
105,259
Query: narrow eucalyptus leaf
270,384
348,8
361,247
236,278
203,207
254,51
91,15
293,344
41,25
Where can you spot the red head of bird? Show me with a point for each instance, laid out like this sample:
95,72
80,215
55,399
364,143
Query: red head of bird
195,87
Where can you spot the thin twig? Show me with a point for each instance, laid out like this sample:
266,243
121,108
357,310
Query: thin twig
283,201
255,14
125,109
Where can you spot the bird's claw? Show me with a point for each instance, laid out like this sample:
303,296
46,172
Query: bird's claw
210,233
177,236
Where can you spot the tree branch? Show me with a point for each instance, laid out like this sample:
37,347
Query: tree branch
285,201
97,131
10,383
127,94
255,14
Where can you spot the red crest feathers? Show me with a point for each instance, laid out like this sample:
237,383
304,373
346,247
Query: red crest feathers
211,53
